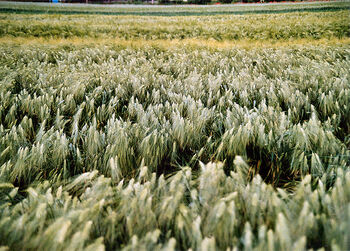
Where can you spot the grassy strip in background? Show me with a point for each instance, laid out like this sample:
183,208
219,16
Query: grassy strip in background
170,14
248,27
78,42
169,10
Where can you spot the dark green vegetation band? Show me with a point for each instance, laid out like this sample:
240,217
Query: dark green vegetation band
175,13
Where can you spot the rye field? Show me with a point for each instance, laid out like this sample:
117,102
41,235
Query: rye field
175,127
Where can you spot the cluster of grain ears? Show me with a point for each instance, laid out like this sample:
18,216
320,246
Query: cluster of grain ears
102,148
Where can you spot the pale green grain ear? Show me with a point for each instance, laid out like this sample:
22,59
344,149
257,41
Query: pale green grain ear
196,237
115,170
271,240
170,245
96,246
6,185
242,168
282,231
300,245
144,174
81,181
208,244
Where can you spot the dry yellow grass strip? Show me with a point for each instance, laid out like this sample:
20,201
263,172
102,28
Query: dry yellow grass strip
176,43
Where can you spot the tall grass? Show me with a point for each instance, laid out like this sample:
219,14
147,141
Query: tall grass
209,211
103,148
286,111
163,145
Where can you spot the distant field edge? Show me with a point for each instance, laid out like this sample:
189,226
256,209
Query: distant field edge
175,13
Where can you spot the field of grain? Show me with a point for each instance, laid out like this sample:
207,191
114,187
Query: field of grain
175,128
